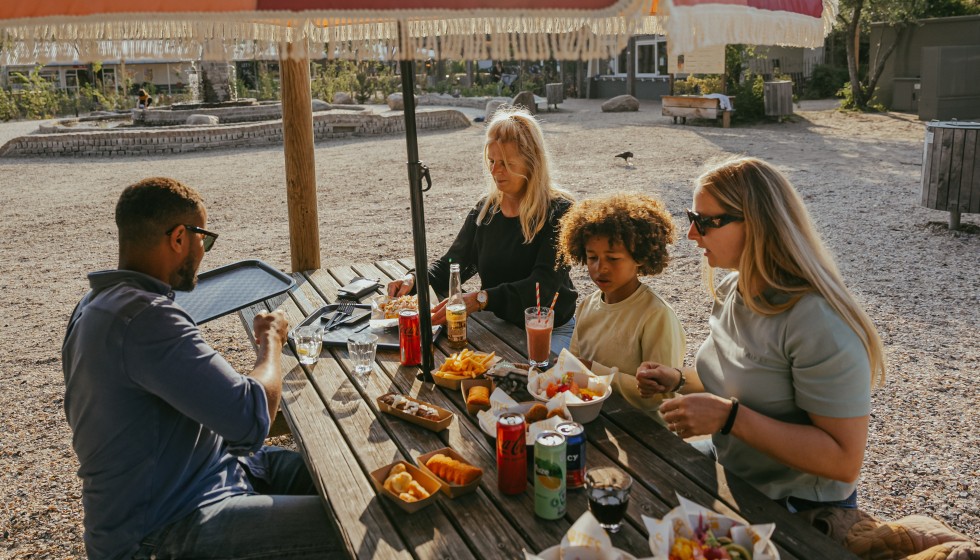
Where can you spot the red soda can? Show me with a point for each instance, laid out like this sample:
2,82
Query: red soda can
511,454
574,453
410,337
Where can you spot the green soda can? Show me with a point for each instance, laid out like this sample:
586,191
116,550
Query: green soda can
549,475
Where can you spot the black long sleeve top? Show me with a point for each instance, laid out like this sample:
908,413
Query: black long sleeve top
508,267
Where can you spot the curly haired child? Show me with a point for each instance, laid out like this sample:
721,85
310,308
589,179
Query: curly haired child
619,238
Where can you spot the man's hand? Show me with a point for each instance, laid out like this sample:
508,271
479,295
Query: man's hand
439,311
271,328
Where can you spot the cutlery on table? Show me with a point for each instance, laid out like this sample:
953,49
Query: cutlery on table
343,312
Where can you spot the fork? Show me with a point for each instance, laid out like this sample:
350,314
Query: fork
343,312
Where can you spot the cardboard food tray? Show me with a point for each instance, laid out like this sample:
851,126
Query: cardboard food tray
431,484
232,287
464,387
455,383
451,490
521,408
445,417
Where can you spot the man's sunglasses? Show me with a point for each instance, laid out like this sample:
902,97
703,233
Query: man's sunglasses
703,223
209,238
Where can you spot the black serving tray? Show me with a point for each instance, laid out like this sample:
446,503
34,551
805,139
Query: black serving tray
387,338
232,287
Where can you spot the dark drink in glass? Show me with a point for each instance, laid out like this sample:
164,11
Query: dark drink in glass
608,491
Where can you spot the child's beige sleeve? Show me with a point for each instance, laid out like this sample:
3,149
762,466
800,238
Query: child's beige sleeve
663,339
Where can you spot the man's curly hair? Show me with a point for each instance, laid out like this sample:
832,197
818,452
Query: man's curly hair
640,222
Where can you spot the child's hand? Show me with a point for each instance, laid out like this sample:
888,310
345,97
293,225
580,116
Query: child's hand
653,378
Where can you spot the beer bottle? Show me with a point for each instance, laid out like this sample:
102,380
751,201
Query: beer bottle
455,310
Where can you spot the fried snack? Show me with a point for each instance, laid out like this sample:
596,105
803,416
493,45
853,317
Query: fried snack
537,413
393,307
401,483
556,412
451,470
479,395
465,364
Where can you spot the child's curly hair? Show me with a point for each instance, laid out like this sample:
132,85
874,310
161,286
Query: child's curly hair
640,222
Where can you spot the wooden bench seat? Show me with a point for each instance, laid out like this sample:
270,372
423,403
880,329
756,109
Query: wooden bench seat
695,106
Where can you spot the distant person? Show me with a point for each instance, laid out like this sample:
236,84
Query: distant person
782,383
509,237
168,435
143,99
625,322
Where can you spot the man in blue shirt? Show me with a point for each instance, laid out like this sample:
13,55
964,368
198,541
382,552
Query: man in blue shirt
168,435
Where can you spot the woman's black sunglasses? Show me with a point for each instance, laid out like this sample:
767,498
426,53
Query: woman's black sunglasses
209,238
703,223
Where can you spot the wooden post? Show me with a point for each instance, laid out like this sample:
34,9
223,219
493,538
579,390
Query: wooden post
631,67
297,139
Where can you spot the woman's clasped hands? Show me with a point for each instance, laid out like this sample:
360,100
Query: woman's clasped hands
689,415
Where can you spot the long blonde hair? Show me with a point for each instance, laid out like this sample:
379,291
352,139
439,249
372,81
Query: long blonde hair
783,250
513,124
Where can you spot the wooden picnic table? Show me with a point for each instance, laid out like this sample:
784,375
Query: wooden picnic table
343,436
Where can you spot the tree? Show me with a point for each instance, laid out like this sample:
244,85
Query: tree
856,16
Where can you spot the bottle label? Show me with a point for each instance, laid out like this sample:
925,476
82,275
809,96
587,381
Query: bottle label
456,323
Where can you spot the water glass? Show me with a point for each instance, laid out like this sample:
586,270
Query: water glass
362,348
309,342
539,322
608,491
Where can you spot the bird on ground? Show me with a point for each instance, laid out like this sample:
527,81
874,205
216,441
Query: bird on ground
627,157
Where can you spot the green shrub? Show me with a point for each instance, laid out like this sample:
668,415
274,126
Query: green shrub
8,106
825,81
849,104
749,100
693,85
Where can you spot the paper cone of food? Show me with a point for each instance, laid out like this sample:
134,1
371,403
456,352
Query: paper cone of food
690,531
585,540
538,417
582,390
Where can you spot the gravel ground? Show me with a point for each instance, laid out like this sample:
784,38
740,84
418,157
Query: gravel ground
860,176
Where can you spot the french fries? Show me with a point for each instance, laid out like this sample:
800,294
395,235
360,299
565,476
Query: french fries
465,364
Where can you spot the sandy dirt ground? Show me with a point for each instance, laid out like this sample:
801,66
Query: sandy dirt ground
859,174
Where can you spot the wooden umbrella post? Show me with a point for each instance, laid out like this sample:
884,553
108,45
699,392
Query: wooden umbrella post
297,136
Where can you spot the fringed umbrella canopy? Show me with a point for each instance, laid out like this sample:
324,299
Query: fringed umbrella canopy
692,24
368,29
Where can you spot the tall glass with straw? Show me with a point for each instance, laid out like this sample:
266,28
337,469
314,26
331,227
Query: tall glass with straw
538,323
455,310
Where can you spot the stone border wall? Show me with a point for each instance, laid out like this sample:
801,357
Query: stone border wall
150,141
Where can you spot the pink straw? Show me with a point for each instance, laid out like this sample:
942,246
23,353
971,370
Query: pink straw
554,300
537,296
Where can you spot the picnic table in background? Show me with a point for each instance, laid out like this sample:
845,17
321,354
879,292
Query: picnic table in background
343,437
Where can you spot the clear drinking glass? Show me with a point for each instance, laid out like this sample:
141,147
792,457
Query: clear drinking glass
309,342
608,491
539,322
362,348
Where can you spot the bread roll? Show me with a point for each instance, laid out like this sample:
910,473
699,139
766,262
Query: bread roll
537,413
556,412
478,396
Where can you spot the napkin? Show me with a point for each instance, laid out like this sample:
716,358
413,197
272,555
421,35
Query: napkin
585,540
501,402
683,520
537,382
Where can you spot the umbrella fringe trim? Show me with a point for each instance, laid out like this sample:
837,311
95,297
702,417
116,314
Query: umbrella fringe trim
361,36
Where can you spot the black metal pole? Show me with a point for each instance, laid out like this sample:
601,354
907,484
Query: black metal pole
415,175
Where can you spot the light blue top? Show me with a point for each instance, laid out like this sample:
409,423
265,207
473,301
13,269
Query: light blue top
804,360
156,414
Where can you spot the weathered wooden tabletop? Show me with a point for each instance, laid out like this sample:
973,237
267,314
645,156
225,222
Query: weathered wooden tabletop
343,437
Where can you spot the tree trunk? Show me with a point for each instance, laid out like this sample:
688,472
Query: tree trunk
852,44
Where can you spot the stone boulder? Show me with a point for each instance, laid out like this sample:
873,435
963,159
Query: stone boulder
320,105
493,105
397,103
342,98
525,99
202,120
621,104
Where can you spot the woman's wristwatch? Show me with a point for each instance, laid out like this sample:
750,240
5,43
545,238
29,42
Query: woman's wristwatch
481,298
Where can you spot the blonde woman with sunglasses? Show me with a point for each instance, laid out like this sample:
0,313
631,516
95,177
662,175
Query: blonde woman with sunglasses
782,383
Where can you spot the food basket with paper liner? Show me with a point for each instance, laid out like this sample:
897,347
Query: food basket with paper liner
585,540
583,390
539,417
465,364
384,310
690,531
